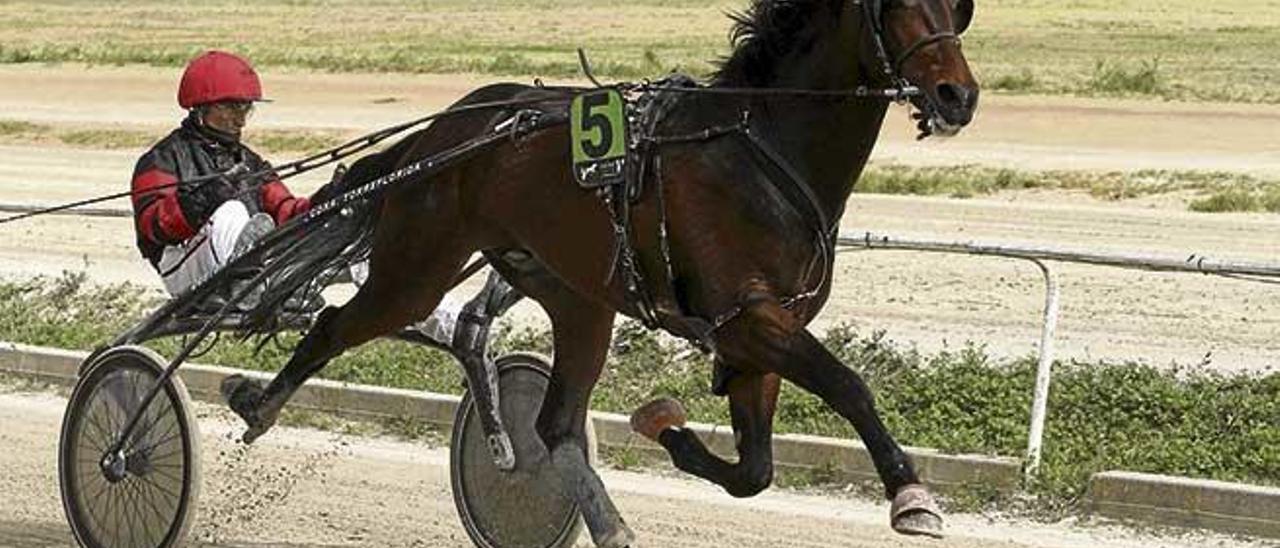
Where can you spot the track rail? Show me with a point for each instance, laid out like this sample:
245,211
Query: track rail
1042,256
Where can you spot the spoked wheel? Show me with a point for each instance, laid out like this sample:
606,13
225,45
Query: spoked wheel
524,508
147,499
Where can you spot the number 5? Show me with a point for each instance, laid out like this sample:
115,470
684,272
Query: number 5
593,121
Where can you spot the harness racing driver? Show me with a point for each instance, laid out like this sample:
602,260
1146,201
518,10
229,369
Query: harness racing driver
189,232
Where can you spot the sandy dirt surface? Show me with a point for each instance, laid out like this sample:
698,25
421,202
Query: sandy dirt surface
307,488
933,301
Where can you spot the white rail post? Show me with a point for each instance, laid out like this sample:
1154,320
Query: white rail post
1044,371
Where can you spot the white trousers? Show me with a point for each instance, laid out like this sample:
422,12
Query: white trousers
184,265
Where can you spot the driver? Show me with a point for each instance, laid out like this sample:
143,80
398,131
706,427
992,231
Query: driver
189,232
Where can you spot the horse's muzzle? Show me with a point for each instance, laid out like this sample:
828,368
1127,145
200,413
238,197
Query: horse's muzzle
951,107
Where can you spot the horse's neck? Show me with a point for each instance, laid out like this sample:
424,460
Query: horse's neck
828,142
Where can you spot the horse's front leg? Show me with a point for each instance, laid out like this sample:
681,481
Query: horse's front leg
771,338
753,398
582,330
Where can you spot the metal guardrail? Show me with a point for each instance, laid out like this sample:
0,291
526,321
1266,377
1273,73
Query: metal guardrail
1193,263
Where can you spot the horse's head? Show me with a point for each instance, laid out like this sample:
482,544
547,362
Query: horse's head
919,41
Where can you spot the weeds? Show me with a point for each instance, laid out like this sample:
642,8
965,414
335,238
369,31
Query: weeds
272,141
1233,199
1115,78
107,138
275,141
628,458
1231,191
1021,81
10,128
1265,198
1102,416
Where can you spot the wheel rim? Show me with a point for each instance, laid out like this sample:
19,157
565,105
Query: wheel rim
523,508
147,507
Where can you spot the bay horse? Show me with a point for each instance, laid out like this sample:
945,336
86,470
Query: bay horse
722,243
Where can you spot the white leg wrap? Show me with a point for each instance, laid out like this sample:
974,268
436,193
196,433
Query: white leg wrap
442,322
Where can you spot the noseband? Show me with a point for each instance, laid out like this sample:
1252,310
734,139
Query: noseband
874,10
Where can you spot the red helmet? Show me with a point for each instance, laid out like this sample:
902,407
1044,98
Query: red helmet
218,76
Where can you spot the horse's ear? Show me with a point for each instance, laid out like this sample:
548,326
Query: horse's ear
963,15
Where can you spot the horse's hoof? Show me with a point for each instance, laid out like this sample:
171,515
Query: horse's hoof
252,434
247,399
622,537
504,455
243,395
658,415
914,512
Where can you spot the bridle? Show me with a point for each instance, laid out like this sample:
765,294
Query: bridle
873,11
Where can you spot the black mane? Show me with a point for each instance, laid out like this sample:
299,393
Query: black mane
765,34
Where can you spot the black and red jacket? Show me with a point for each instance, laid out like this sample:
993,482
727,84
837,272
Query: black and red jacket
168,216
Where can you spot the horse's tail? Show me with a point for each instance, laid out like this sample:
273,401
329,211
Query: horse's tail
320,254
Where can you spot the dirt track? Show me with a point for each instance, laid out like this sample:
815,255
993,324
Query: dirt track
929,300
347,491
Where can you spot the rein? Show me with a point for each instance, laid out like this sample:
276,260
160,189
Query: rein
896,94
291,169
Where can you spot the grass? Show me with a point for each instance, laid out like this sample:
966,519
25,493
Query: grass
1174,49
1240,200
271,141
1226,191
1117,79
1102,416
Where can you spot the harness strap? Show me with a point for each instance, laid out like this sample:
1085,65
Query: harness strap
700,331
793,176
921,44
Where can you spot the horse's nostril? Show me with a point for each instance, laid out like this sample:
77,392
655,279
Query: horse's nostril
951,95
956,103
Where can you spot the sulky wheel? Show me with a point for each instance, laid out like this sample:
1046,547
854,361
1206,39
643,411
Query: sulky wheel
524,508
148,498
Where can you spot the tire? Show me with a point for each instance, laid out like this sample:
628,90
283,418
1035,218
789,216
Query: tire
154,504
525,508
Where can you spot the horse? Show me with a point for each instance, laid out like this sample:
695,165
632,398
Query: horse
729,235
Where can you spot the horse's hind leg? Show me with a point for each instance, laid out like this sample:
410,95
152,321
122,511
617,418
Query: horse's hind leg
768,336
753,398
405,283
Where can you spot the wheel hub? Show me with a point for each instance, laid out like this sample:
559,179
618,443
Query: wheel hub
114,467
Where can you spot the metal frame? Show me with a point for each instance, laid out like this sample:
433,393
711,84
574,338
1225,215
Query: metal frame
1195,263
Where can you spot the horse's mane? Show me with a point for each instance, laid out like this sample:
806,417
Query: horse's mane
764,35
